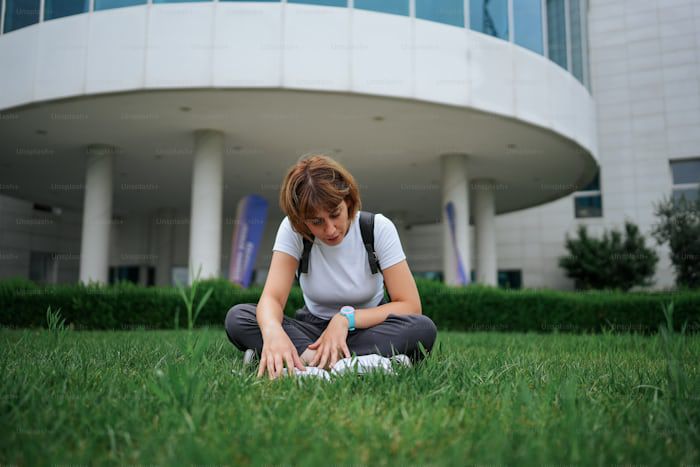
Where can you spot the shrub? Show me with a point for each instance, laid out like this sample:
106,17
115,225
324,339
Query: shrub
611,262
679,225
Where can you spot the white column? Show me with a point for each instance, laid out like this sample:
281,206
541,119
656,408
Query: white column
97,214
485,231
207,200
455,189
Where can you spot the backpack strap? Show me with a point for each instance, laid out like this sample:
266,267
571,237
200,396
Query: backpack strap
304,260
367,231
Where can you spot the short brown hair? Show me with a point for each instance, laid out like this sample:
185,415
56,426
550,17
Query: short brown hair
317,182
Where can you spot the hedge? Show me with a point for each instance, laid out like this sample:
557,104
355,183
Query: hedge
126,306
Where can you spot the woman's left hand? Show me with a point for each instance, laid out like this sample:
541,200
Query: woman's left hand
332,343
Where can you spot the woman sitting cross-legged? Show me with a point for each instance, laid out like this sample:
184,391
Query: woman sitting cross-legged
345,313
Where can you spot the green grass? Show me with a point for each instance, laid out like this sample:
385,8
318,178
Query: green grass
160,397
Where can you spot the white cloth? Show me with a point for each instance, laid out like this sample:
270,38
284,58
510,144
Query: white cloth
339,275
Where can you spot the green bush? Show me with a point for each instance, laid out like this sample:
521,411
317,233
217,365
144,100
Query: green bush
610,262
679,226
127,306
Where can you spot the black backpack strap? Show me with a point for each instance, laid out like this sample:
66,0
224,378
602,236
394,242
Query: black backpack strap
304,260
367,231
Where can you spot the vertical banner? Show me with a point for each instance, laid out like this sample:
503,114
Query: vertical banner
251,214
461,276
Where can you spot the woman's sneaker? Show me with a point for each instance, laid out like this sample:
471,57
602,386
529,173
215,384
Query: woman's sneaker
367,363
249,358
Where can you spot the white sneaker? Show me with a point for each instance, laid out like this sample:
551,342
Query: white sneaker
402,359
249,357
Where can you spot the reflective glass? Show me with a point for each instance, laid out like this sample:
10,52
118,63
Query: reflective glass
268,1
179,1
690,194
20,13
59,8
687,171
109,4
396,7
556,32
588,206
527,27
576,39
322,2
442,11
489,17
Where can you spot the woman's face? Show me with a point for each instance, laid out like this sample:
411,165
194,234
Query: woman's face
330,227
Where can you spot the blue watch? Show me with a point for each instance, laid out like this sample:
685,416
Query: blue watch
349,313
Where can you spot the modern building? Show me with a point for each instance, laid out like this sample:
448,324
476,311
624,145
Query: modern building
130,129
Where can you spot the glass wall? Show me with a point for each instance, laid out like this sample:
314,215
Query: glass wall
576,39
20,13
442,11
556,32
566,20
321,2
59,8
489,17
109,4
527,24
397,7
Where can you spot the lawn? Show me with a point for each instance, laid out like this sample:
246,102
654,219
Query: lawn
179,398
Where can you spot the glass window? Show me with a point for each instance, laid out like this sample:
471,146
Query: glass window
20,13
268,1
489,17
588,202
322,2
556,32
510,279
59,8
109,4
576,39
527,19
588,206
179,1
686,171
686,179
396,7
442,11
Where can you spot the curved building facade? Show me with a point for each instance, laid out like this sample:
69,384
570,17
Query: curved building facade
131,129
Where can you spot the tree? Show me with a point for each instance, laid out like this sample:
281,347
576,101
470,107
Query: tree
679,225
611,262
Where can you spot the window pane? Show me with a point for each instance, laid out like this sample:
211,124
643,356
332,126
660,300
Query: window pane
59,8
322,2
690,194
556,32
21,13
588,206
179,1
397,7
510,279
442,11
576,39
686,171
109,4
268,1
489,17
528,24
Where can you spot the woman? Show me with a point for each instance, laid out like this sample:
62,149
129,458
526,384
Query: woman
322,203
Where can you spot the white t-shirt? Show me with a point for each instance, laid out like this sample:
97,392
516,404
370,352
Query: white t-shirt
339,274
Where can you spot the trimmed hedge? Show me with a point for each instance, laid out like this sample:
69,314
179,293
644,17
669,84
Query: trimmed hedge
127,306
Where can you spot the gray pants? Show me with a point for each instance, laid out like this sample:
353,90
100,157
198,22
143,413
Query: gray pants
398,334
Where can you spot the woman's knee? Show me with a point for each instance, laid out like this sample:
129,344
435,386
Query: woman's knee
236,316
418,328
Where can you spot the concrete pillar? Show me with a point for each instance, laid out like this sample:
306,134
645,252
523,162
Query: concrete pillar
485,231
207,201
97,214
455,189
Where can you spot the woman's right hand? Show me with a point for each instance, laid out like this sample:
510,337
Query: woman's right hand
277,350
